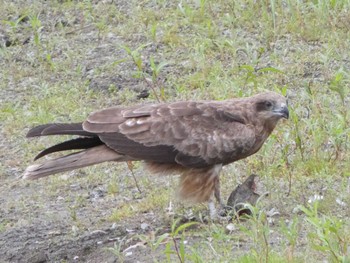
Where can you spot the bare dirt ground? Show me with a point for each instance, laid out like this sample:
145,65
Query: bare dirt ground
43,230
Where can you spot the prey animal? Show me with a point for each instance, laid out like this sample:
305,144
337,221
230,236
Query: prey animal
241,195
194,139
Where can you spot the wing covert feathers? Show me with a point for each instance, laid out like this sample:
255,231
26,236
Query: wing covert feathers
206,132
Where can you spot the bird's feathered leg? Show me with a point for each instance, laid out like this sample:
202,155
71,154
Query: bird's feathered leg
201,185
217,193
212,210
214,215
198,185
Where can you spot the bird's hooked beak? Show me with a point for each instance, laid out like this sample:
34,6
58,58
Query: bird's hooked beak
282,111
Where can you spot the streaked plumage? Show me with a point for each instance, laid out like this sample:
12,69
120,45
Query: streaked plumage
191,138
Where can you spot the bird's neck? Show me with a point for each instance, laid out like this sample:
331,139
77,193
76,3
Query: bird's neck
263,131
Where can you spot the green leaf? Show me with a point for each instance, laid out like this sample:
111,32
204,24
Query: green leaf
270,69
173,226
143,46
182,250
168,251
184,226
115,63
126,48
284,90
160,239
319,247
161,65
153,65
247,67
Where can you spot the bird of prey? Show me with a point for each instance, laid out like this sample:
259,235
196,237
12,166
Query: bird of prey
194,139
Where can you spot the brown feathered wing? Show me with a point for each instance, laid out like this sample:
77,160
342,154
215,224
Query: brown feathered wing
191,134
192,138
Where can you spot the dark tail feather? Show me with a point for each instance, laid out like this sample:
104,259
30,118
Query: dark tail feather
79,143
59,128
73,161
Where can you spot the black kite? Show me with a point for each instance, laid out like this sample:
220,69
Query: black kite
191,138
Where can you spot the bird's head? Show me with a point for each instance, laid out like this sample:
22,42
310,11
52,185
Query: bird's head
271,107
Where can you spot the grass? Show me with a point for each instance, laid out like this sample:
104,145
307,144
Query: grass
61,60
154,201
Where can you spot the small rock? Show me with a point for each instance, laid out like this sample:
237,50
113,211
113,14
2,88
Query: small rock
314,198
144,226
272,212
54,233
340,202
96,194
75,187
296,210
230,227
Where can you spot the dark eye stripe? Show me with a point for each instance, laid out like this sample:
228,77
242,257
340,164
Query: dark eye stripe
268,103
264,105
